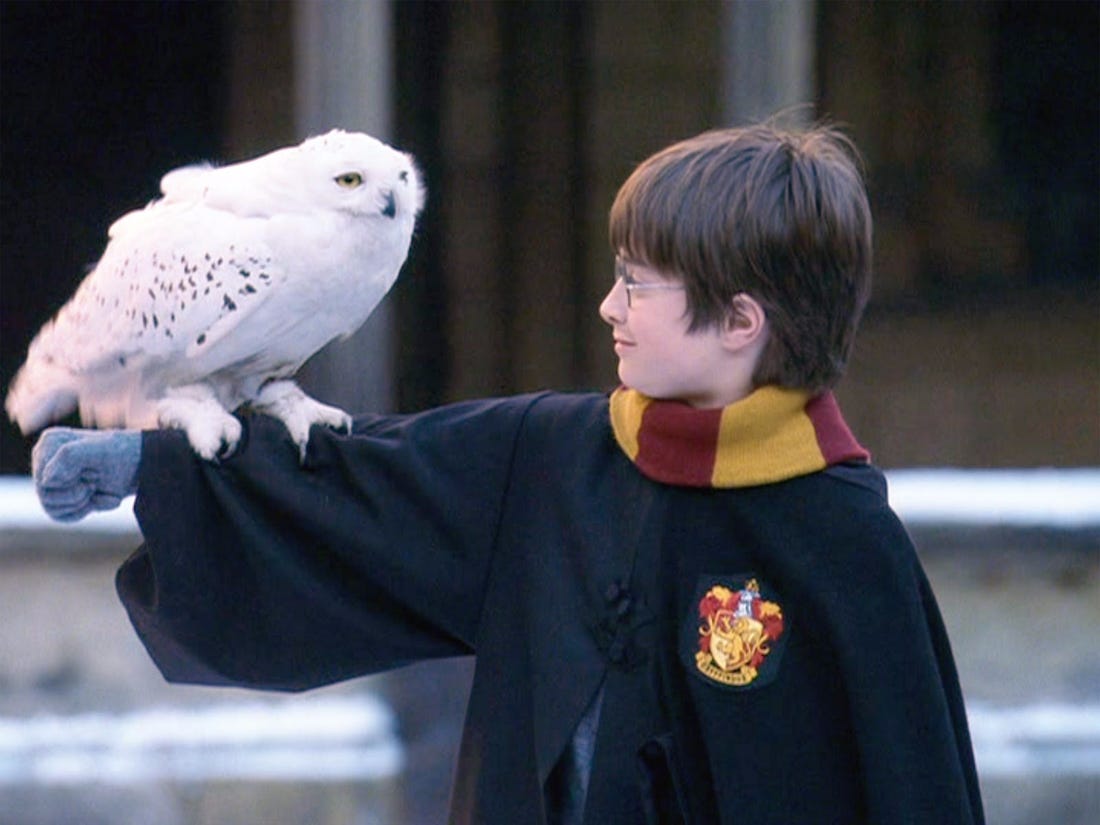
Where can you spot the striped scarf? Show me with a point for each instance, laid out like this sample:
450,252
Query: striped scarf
772,435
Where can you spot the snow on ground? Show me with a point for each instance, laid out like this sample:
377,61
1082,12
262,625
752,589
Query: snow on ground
326,739
1062,498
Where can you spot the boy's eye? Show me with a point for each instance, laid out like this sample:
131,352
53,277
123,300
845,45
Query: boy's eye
623,271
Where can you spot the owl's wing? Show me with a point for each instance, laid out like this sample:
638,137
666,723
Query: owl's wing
172,277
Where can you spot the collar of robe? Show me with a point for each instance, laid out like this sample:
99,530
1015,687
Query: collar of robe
772,435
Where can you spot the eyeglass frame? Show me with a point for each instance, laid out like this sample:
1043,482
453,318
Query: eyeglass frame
630,285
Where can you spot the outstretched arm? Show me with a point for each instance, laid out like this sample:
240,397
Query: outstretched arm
266,572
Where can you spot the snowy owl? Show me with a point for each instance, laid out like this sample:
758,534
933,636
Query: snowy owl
216,293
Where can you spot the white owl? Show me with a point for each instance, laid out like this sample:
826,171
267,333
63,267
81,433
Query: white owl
215,294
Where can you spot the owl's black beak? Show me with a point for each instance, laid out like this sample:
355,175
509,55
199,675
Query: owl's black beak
390,208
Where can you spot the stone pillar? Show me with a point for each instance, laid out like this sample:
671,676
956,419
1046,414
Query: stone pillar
768,62
343,79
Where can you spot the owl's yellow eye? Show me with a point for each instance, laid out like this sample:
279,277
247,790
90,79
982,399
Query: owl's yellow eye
349,180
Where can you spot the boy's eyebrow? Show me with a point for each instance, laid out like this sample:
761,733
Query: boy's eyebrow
624,267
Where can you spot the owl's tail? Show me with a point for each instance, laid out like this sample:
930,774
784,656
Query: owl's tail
40,393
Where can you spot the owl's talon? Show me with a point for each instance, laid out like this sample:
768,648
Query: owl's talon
286,401
195,409
225,451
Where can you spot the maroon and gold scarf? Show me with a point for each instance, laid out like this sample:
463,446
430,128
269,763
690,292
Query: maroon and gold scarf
772,435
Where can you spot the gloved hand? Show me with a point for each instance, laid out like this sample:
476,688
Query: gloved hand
77,471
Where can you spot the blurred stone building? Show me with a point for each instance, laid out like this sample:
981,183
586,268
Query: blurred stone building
979,123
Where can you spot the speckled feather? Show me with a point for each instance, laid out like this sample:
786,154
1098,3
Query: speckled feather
233,278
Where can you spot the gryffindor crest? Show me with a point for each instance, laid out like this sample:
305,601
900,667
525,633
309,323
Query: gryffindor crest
737,630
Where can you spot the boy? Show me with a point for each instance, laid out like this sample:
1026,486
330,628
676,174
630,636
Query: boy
690,603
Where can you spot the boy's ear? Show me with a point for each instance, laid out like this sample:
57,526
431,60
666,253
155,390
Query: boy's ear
747,322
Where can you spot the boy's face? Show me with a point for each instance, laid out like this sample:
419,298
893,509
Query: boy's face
648,315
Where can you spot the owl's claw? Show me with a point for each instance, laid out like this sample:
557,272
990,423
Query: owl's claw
195,409
298,412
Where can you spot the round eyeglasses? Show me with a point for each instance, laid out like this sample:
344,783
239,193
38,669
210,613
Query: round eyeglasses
623,273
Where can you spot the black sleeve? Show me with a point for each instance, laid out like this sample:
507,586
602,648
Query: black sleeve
262,572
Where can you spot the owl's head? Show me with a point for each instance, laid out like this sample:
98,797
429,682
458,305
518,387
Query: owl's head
347,172
357,173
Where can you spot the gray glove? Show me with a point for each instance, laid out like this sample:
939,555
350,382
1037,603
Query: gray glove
77,471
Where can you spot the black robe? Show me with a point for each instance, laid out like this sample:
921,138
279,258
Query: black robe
517,530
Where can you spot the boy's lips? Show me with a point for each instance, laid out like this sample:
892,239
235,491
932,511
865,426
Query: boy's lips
622,343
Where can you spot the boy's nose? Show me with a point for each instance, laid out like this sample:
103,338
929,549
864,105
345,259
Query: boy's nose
613,306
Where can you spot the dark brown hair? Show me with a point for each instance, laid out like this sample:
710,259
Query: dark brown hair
781,215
